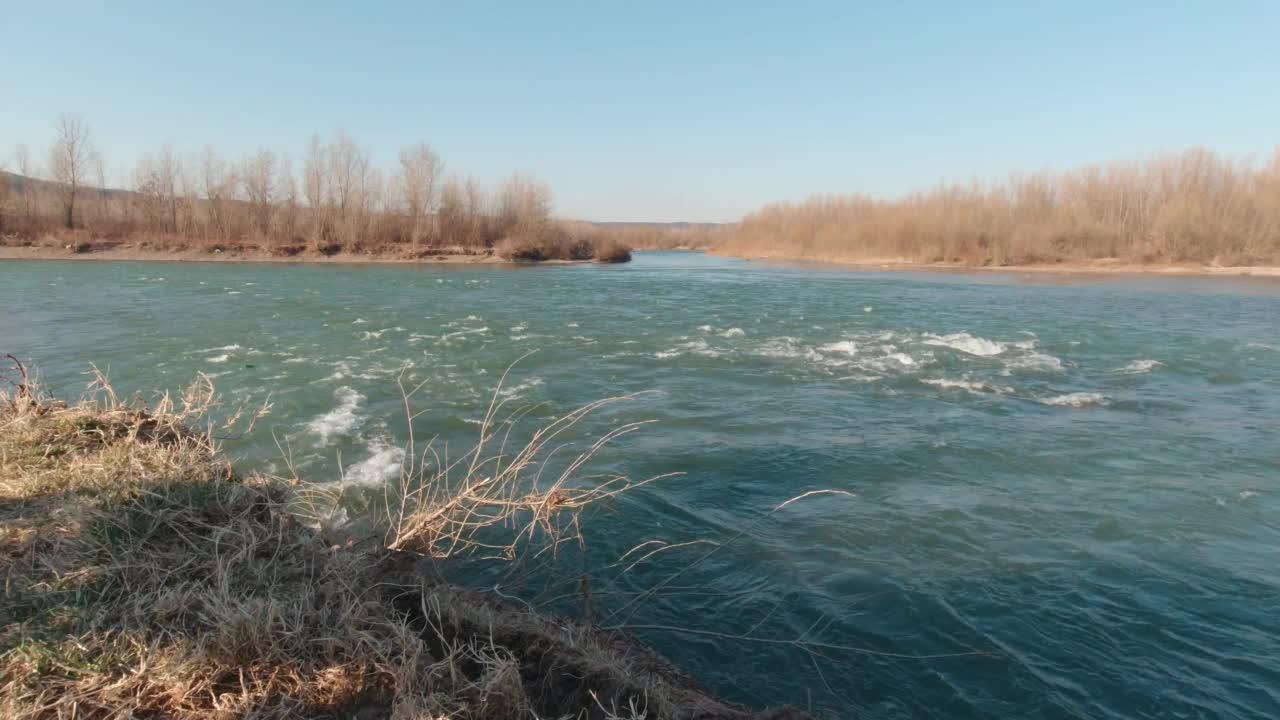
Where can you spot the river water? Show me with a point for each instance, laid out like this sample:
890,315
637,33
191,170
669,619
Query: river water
1076,479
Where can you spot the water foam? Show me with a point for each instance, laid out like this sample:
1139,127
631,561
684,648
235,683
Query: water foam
875,360
972,386
845,347
1035,361
966,343
976,387
780,347
1076,400
733,333
340,420
695,347
471,331
342,370
1137,367
219,358
383,464
513,392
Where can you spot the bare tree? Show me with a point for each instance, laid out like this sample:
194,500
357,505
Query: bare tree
372,202
146,192
70,159
26,192
524,203
415,185
287,192
345,169
219,188
451,216
315,186
98,168
168,169
477,214
259,185
348,180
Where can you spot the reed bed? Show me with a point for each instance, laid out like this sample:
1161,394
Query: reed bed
1194,207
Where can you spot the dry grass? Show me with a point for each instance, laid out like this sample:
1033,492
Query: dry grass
144,578
1192,207
564,241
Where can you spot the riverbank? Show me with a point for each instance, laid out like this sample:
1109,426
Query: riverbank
137,253
1105,266
145,577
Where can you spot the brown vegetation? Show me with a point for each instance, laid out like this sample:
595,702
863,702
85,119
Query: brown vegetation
664,236
611,250
340,203
1192,207
145,578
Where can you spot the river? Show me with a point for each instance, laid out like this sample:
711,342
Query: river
1058,496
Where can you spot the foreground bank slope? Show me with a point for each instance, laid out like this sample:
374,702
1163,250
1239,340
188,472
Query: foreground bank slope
145,577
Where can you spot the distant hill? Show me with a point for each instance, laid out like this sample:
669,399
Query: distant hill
18,183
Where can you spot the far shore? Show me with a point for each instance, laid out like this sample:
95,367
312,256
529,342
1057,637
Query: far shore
132,253
1104,266
448,256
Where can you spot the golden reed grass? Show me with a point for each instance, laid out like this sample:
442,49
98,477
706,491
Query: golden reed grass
1191,207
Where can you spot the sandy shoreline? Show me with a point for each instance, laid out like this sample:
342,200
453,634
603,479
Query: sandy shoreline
1094,267
135,254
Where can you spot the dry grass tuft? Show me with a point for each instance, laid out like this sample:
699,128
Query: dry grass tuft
448,509
144,577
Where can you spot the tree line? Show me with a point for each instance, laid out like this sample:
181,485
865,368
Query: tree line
335,200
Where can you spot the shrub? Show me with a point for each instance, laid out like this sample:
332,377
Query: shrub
521,248
609,250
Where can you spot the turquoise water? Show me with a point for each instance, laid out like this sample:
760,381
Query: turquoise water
1078,479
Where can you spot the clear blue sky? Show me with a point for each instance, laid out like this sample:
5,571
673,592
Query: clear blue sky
657,110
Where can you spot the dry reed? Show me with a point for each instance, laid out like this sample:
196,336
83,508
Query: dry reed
1190,207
